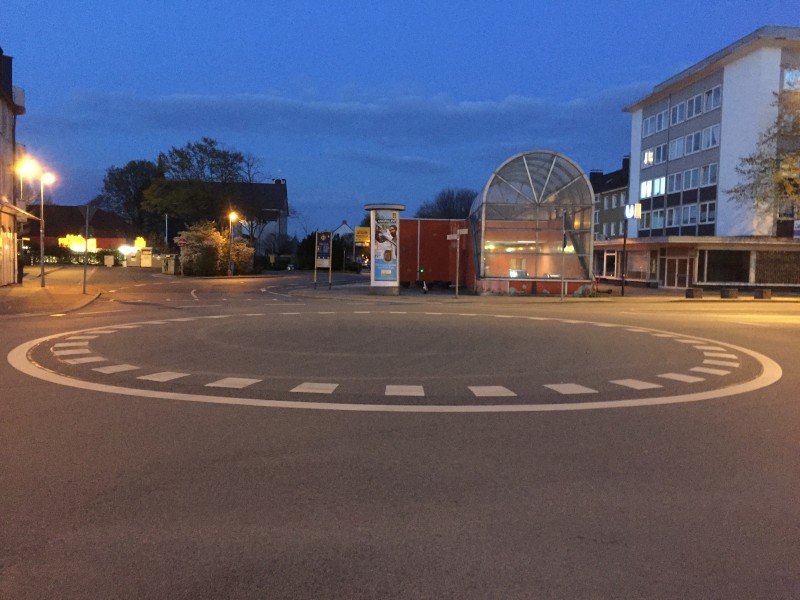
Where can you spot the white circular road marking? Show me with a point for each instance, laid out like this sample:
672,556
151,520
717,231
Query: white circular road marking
770,373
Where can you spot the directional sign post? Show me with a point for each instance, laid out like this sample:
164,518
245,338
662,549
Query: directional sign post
457,237
88,211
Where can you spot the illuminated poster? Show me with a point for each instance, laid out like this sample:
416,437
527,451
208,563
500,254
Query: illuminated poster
385,239
323,249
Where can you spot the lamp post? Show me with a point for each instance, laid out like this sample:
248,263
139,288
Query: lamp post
30,168
231,218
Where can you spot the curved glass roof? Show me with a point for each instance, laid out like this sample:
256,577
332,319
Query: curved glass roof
534,219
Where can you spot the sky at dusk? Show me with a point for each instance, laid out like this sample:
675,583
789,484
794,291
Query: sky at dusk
351,102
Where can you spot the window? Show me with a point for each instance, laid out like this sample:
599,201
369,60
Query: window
672,216
658,186
661,154
648,126
661,121
694,106
648,157
708,174
791,79
689,214
622,197
708,212
644,222
691,179
676,149
605,202
674,183
614,201
657,220
713,98
596,216
711,137
605,230
677,114
646,189
613,229
692,142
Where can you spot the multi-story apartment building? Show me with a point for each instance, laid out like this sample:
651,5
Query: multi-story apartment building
610,198
687,138
11,105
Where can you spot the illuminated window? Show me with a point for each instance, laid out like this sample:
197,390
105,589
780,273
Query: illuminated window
646,188
658,186
648,157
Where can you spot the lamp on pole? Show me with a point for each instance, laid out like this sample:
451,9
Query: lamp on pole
29,168
231,218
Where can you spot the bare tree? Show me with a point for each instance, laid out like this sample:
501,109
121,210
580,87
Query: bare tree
448,204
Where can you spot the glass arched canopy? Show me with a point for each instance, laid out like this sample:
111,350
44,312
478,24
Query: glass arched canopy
534,220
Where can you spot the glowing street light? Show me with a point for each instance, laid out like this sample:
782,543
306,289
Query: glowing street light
231,218
28,168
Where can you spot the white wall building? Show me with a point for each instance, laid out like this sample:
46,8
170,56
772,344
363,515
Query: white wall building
687,137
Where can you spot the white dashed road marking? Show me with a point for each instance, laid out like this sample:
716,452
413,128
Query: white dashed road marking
237,383
491,391
570,388
316,388
75,343
681,377
635,384
405,390
115,369
164,376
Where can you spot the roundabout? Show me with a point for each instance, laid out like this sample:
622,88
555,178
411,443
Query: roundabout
388,360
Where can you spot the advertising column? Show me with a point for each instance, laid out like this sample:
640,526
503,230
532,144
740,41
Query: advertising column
385,248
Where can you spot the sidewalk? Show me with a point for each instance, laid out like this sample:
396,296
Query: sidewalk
63,292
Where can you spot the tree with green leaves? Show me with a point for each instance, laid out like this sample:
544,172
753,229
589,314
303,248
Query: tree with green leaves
192,181
769,178
450,203
123,190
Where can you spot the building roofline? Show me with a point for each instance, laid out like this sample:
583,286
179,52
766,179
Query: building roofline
764,36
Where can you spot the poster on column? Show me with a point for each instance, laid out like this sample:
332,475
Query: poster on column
385,240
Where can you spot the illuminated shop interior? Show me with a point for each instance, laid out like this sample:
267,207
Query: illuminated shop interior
534,220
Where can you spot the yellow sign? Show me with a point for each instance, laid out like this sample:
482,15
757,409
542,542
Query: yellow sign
362,236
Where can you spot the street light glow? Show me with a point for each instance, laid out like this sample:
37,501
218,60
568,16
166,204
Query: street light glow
233,216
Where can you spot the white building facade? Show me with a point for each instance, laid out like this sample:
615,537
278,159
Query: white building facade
687,138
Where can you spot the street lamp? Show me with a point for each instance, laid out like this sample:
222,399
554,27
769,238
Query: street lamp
29,168
231,218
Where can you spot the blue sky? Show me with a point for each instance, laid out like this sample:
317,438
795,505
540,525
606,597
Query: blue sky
351,102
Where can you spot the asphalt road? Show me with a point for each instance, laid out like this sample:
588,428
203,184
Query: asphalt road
116,485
